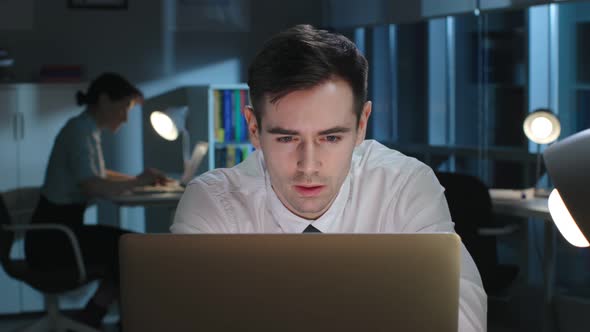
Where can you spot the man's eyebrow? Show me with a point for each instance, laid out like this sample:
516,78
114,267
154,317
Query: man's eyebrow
335,130
284,131
281,131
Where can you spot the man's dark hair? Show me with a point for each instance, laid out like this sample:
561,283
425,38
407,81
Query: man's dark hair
303,57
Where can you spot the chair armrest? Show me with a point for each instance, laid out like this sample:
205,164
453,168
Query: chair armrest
52,226
497,231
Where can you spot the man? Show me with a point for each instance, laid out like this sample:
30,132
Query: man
312,169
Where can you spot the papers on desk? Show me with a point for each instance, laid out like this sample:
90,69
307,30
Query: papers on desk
512,194
173,187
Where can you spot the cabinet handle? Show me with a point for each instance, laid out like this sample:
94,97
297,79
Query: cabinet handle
22,125
15,126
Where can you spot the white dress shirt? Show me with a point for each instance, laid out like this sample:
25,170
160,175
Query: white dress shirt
384,192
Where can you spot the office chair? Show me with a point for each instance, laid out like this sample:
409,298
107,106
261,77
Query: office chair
471,210
50,283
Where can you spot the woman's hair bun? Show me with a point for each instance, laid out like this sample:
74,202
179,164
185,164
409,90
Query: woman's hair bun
80,98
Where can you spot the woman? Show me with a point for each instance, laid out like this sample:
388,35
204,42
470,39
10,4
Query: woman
75,175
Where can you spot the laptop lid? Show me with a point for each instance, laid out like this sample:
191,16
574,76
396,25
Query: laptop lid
290,282
191,166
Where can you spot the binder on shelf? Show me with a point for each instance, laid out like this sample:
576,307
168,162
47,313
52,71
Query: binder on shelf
238,155
237,116
243,103
230,156
227,115
245,152
218,118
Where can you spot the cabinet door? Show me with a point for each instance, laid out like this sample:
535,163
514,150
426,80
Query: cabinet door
9,288
45,108
9,135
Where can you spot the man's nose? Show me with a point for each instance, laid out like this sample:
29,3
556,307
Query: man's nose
308,158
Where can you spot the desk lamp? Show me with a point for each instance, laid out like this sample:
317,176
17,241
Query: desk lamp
542,127
171,123
568,165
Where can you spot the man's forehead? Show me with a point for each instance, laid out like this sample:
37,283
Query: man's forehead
333,98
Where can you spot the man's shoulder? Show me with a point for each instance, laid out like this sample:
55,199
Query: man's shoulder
245,177
372,156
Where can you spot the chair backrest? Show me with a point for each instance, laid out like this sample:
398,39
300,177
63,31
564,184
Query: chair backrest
6,237
470,205
21,203
16,207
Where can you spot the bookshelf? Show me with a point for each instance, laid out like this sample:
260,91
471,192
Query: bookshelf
228,132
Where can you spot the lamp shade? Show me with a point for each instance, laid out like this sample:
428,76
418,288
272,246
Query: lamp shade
541,126
170,122
568,165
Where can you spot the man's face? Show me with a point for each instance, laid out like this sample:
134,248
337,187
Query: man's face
307,138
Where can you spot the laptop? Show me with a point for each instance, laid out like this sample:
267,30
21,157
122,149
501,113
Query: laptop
190,170
290,282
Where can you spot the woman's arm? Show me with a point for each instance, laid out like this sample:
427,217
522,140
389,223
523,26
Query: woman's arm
117,176
116,183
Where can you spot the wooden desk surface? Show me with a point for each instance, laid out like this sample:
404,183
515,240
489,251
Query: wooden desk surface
535,207
147,199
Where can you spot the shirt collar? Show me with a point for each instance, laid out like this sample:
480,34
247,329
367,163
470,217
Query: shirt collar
291,223
90,123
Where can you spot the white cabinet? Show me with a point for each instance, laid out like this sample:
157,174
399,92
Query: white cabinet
31,115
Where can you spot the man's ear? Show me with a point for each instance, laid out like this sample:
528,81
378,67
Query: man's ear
253,130
363,121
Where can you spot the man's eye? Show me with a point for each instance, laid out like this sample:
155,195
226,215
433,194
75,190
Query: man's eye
332,138
285,139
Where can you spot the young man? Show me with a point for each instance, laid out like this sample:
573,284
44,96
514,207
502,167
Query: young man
312,169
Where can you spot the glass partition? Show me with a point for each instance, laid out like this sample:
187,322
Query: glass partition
457,81
454,91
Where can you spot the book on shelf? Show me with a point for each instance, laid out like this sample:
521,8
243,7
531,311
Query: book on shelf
229,121
230,155
227,115
230,128
217,118
243,103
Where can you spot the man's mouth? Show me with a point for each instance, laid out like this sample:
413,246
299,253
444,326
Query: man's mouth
309,191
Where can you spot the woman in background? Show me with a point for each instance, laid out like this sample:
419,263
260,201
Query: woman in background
75,175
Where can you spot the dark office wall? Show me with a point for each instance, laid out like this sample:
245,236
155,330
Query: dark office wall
271,16
132,41
127,41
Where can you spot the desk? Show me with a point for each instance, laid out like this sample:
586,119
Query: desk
152,199
528,208
536,208
167,199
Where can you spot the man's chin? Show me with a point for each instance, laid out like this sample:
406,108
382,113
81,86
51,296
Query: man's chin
310,212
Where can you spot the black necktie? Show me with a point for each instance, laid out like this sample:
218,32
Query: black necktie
311,229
